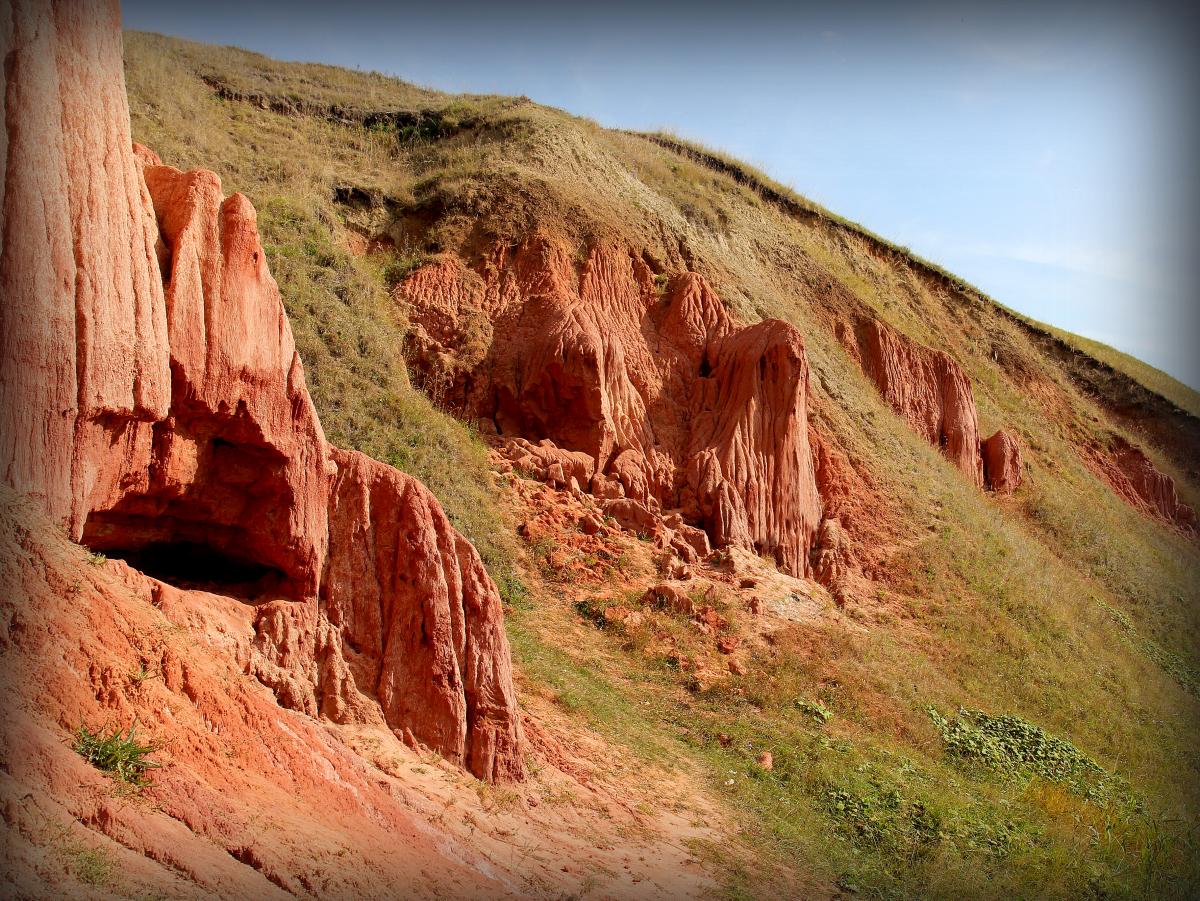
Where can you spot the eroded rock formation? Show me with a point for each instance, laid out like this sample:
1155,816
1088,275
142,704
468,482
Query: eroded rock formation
1002,463
923,385
420,617
628,383
933,394
1137,481
83,333
154,403
238,465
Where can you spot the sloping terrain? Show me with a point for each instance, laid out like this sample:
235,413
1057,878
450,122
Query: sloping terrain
273,667
256,801
1071,605
784,619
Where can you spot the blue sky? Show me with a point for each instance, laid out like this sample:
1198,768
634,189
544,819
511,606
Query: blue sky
1046,154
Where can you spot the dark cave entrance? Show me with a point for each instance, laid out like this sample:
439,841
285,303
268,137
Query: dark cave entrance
192,563
187,555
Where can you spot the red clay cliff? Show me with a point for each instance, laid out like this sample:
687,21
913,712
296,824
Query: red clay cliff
1141,484
923,385
933,394
636,386
154,403
1002,463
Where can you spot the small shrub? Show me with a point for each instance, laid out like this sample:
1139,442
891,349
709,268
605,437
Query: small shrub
815,709
494,798
1170,663
143,674
116,752
543,552
91,865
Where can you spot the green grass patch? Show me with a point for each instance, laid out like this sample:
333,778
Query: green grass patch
92,866
117,752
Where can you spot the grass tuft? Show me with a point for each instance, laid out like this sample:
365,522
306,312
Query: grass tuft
117,752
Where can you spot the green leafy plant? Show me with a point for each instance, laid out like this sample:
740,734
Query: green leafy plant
117,752
1009,744
1170,663
882,817
815,709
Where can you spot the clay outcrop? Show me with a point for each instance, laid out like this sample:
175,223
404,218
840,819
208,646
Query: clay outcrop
631,385
83,332
238,466
923,385
155,404
1002,463
1135,478
419,617
933,394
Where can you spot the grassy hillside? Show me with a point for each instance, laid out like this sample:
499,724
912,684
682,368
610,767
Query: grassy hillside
1071,620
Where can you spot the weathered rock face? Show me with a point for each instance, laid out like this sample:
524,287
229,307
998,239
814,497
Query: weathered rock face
420,617
166,419
635,387
923,385
1002,464
299,657
750,471
83,334
239,465
830,562
933,394
1140,483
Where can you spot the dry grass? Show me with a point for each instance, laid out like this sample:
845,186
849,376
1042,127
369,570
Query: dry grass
251,72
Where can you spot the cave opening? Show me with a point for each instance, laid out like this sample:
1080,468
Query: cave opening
194,556
194,564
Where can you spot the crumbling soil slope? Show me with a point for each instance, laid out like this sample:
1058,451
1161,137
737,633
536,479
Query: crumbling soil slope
254,800
297,630
660,396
